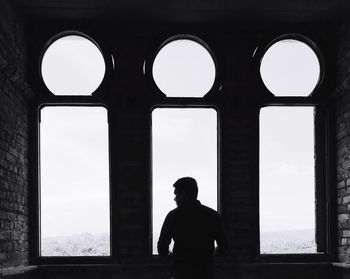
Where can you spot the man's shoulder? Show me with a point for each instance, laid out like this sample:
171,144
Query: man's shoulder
208,209
172,212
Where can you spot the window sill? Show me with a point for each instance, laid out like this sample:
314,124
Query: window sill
293,258
17,272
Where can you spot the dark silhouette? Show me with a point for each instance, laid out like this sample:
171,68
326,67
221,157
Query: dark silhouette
193,227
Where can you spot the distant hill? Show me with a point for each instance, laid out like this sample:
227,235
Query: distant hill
282,242
85,244
288,242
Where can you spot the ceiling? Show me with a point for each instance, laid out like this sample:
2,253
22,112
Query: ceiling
185,10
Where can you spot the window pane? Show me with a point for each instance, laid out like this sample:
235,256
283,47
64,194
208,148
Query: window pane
290,68
184,68
73,65
287,186
74,174
184,143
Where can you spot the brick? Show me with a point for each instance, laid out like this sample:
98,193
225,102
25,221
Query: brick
341,184
340,200
344,241
346,199
343,217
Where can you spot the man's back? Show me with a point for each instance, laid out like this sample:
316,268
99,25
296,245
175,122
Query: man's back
194,229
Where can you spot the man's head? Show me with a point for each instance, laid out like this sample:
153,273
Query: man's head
186,191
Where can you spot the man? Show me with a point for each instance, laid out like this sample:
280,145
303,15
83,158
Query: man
194,228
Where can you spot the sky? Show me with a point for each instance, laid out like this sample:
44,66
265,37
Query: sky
74,140
74,170
290,68
184,68
73,64
287,186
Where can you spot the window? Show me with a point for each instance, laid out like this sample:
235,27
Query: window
73,177
74,182
184,143
287,184
72,65
184,68
292,210
290,68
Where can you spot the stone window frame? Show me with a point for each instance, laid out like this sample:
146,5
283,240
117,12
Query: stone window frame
98,98
324,152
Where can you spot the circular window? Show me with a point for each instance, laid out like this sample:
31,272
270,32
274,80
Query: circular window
290,68
184,68
73,65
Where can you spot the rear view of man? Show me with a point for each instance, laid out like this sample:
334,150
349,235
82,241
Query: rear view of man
194,228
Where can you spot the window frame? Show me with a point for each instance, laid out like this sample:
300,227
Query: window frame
45,98
175,102
323,150
35,257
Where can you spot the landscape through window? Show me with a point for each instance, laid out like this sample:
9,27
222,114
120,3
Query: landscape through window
74,182
287,180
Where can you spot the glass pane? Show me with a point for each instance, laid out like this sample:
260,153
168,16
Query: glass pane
184,143
184,68
73,65
287,186
74,188
290,68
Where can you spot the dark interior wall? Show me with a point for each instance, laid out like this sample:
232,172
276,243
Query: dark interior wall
130,96
14,95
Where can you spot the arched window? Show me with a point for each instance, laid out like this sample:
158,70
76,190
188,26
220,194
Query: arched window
72,64
184,136
184,67
74,199
290,69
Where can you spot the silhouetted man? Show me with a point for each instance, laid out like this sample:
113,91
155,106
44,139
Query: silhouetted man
193,227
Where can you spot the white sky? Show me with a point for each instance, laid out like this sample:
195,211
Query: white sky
73,65
74,149
184,68
74,170
290,68
287,191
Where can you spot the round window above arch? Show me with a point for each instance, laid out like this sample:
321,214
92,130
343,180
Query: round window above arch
290,67
73,65
184,67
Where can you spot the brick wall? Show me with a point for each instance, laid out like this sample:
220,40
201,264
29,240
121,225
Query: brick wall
343,181
343,144
13,142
